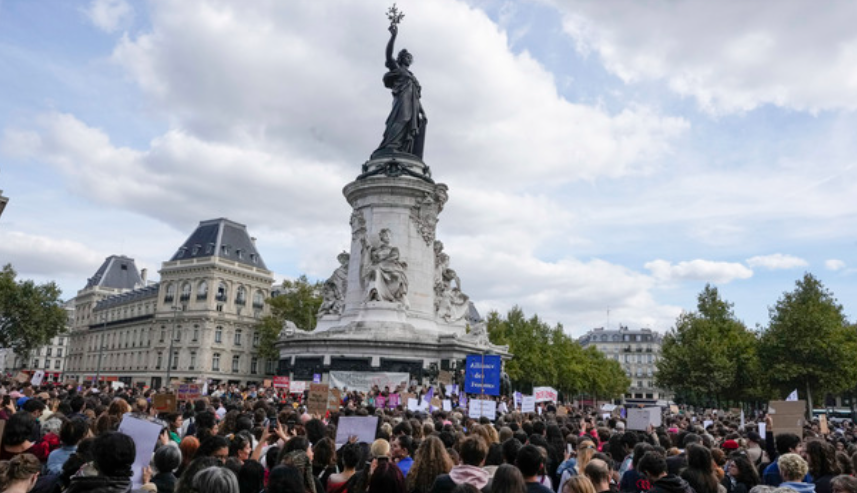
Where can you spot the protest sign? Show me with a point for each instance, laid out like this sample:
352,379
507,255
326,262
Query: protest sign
822,425
281,383
763,428
706,423
444,377
393,401
188,392
363,427
267,383
528,404
363,381
788,416
380,402
479,408
297,387
413,404
317,401
334,401
435,402
316,378
453,389
462,400
22,377
447,405
640,419
164,403
518,398
673,409
562,411
145,435
608,408
545,394
38,376
606,416
483,374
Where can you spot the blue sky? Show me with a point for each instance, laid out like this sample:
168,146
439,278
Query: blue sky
601,156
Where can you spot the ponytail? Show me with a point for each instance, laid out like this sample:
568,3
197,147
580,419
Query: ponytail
20,467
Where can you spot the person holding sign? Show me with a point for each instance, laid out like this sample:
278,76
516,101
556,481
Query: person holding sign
113,455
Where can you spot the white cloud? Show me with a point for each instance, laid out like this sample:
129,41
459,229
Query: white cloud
776,261
109,15
698,270
834,264
729,56
46,256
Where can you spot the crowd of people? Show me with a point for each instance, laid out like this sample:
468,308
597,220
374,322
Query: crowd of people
66,439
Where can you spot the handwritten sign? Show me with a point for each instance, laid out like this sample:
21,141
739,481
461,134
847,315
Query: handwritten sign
318,397
334,400
545,394
164,403
188,392
363,427
145,435
281,383
297,387
528,404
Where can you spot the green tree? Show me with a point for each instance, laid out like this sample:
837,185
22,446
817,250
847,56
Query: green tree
706,351
298,303
545,355
808,343
30,314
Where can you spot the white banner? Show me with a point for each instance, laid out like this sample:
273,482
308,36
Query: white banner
297,387
545,394
480,408
363,381
528,404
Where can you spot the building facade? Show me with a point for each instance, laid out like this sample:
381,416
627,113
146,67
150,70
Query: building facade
49,358
637,351
197,324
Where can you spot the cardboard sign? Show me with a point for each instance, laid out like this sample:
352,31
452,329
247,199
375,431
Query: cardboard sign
528,404
334,400
822,425
188,392
318,397
673,409
164,403
267,383
363,427
444,377
281,383
435,402
640,419
562,411
788,416
22,377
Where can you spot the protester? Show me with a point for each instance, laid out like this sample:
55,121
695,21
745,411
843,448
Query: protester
793,469
654,466
432,461
473,452
531,462
113,454
19,474
741,475
215,480
166,461
578,484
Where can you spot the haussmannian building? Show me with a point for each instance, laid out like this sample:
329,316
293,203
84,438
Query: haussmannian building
197,324
637,351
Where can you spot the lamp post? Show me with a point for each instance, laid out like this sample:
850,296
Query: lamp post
176,310
100,350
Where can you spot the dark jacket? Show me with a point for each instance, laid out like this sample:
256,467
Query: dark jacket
99,484
671,484
677,464
165,481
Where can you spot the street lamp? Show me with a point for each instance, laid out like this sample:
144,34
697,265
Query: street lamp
176,310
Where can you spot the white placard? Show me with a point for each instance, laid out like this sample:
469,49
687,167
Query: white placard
480,408
413,404
707,423
763,428
363,381
363,427
528,404
37,378
641,419
297,387
145,435
606,416
447,405
545,394
608,408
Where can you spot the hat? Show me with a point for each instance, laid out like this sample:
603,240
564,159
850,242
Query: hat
754,437
730,445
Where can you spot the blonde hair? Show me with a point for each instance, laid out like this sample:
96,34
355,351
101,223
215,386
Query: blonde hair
578,484
792,467
380,448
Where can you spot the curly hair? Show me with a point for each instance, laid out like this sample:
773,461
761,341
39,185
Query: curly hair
821,457
431,461
792,467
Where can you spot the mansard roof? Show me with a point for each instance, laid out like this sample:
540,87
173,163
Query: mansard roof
118,272
221,238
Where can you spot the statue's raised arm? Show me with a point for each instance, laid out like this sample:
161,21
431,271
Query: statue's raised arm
391,62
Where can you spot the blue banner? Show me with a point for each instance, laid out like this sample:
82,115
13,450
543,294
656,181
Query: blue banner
483,374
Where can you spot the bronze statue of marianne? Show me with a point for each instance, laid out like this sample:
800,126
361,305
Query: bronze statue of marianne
406,125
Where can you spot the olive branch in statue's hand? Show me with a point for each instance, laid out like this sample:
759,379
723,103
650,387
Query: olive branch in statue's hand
395,17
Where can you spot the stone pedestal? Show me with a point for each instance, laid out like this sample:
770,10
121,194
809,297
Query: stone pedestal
401,302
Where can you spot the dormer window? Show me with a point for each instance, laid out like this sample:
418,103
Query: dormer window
254,258
209,249
240,253
224,250
181,252
195,249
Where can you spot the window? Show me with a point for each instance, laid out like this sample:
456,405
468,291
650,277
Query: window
195,249
185,292
218,334
209,248
59,352
159,360
236,362
221,292
178,335
195,333
192,360
49,351
171,293
47,363
215,362
202,291
61,341
175,364
269,369
258,300
640,384
254,362
35,363
238,337
163,334
57,364
256,337
241,296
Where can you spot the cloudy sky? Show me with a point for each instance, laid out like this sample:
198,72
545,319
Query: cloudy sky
605,159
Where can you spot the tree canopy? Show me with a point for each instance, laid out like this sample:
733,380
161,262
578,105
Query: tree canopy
709,352
298,303
545,355
808,343
30,314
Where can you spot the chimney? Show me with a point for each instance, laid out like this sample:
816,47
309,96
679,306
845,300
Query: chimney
143,274
253,240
